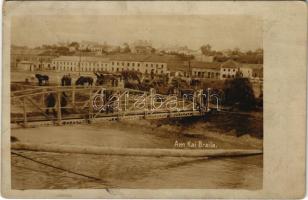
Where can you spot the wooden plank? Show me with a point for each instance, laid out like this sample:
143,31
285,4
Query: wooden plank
59,116
25,112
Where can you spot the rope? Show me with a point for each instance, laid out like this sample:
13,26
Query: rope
59,168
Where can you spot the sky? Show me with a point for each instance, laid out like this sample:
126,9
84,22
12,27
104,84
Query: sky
221,32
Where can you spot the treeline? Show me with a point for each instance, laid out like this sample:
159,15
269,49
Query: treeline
238,94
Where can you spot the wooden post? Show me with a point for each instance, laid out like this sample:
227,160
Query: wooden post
208,99
90,105
43,98
59,114
25,112
73,97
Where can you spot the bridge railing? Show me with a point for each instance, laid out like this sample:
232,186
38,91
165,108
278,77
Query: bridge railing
80,102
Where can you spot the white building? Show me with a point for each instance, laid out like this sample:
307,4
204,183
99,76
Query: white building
25,66
229,69
145,67
117,63
145,64
80,64
252,71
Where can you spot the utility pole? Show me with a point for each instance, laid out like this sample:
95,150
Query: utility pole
79,63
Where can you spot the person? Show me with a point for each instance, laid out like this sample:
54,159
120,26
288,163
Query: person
63,103
69,80
50,103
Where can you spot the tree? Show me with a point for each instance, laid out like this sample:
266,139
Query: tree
153,50
126,48
75,44
206,49
238,93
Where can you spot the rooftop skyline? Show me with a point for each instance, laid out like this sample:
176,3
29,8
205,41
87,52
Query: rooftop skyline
221,32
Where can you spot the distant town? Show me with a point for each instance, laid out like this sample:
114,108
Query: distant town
202,63
141,66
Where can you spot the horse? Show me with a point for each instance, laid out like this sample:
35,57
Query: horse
66,80
82,80
100,79
42,79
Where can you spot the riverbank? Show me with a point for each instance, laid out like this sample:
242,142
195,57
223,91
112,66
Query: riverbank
130,171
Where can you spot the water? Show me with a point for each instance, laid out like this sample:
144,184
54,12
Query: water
134,172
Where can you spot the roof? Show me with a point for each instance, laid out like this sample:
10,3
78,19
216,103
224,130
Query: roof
143,57
82,58
204,65
230,64
252,66
25,62
26,51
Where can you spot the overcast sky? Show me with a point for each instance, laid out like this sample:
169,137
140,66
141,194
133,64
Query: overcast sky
222,32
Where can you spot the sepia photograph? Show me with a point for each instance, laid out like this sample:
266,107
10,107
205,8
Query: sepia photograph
151,102
130,102
154,99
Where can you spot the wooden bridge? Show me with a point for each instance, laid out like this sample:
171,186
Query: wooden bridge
74,105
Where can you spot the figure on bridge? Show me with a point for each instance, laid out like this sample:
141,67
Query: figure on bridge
63,103
50,103
66,80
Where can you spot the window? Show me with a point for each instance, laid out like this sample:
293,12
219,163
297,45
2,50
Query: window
133,64
138,64
128,64
228,70
224,76
122,63
112,63
146,65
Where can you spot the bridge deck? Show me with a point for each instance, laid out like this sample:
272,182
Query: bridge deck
28,107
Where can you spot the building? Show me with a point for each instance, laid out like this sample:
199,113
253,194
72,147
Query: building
81,64
205,70
229,69
87,45
252,71
113,63
145,64
22,54
141,47
25,66
40,59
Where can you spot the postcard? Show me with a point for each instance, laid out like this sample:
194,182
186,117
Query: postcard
140,99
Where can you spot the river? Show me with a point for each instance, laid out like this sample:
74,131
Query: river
135,172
